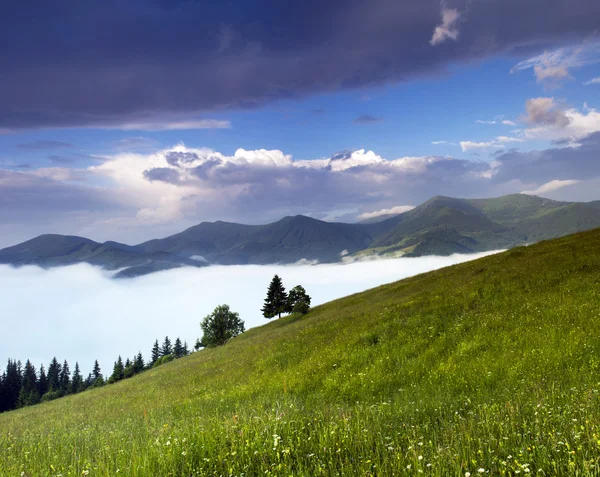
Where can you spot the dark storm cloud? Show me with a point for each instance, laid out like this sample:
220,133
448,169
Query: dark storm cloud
98,62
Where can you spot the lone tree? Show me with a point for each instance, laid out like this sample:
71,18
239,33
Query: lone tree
298,300
276,302
220,326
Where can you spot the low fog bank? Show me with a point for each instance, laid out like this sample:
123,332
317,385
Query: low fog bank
78,313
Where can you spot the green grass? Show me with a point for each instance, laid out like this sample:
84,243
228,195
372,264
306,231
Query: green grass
491,364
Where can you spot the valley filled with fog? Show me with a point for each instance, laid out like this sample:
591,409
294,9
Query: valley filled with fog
79,313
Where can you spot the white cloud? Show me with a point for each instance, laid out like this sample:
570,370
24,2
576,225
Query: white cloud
399,209
448,29
437,143
166,303
550,186
592,81
171,125
552,123
497,143
551,68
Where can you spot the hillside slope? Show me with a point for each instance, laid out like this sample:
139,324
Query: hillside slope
493,364
287,240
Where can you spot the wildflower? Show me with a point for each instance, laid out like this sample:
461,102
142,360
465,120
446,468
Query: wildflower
481,470
467,474
420,457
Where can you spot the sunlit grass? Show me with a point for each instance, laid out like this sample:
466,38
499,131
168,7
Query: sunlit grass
488,367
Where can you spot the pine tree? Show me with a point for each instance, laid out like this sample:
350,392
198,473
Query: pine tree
77,382
155,354
54,375
12,382
138,363
43,381
276,301
97,378
178,349
186,350
198,344
65,378
118,371
166,349
29,393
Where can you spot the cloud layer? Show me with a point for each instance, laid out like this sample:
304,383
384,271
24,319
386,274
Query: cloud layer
128,66
81,315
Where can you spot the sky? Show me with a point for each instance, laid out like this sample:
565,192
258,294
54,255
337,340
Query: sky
94,317
134,120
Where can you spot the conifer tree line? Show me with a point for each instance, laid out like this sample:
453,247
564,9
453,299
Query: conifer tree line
22,386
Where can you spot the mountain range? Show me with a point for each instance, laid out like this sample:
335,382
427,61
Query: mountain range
440,226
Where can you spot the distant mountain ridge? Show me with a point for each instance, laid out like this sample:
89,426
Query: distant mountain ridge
440,226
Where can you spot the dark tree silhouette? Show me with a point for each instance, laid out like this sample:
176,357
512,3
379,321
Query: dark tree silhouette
276,301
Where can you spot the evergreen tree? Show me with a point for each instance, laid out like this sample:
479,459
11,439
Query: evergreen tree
138,363
276,301
77,382
3,393
220,326
97,378
118,371
29,393
65,378
155,353
178,348
198,344
54,375
43,381
186,350
166,349
11,385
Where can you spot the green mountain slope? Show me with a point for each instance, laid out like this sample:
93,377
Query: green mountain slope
444,225
288,240
440,226
492,364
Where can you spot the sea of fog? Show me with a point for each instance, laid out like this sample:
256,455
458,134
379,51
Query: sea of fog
80,314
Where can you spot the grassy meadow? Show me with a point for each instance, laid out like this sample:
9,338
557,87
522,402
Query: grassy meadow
491,367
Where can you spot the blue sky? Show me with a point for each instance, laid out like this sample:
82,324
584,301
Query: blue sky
110,131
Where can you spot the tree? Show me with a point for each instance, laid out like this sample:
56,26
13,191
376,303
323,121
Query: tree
118,371
65,378
138,363
166,349
29,394
42,382
97,378
155,353
298,300
54,375
198,344
178,349
276,301
77,381
220,326
186,350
